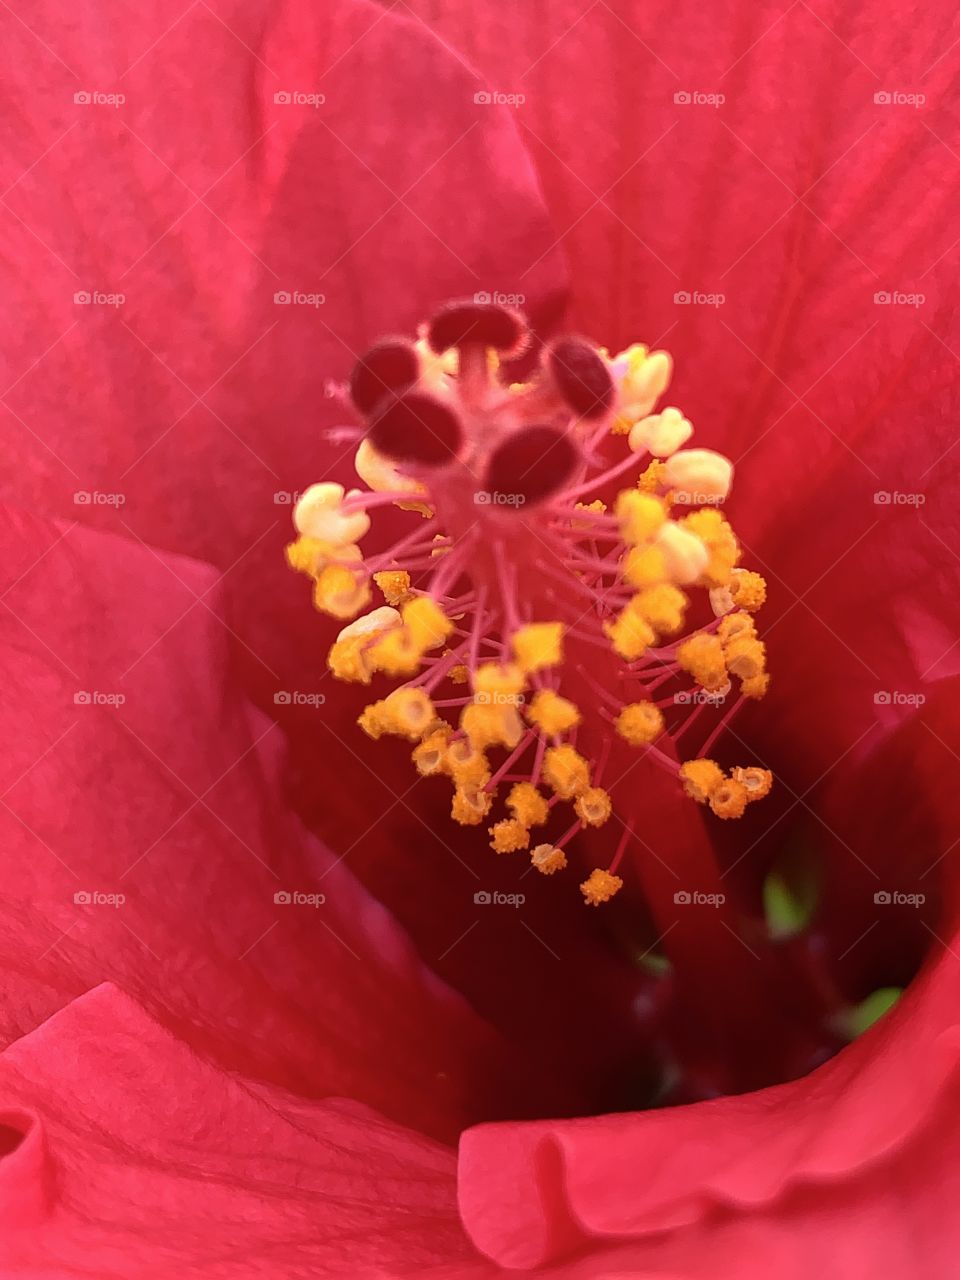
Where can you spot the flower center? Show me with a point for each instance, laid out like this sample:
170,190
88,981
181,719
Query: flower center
557,626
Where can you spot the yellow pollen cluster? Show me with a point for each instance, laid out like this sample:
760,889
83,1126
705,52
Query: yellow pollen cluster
514,645
727,796
600,886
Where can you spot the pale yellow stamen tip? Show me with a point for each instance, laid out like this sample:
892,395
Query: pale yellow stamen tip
661,434
341,592
319,514
685,554
721,543
547,859
538,645
600,886
699,475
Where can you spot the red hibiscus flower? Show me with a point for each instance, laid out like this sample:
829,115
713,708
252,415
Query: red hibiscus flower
250,1005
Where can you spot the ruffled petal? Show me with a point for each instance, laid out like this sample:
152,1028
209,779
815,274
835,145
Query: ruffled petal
146,842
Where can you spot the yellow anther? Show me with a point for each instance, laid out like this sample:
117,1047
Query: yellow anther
470,805
685,555
749,589
756,687
551,713
700,475
394,585
600,886
547,859
426,622
736,625
349,656
640,723
311,555
593,807
493,682
721,601
491,724
754,780
565,771
466,764
630,634
719,539
700,779
640,515
644,566
341,592
596,506
373,721
702,657
395,654
320,514
459,674
662,606
430,755
408,713
538,645
527,804
661,434
745,656
509,836
651,479
729,799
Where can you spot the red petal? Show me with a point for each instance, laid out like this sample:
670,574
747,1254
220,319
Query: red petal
141,1158
171,798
